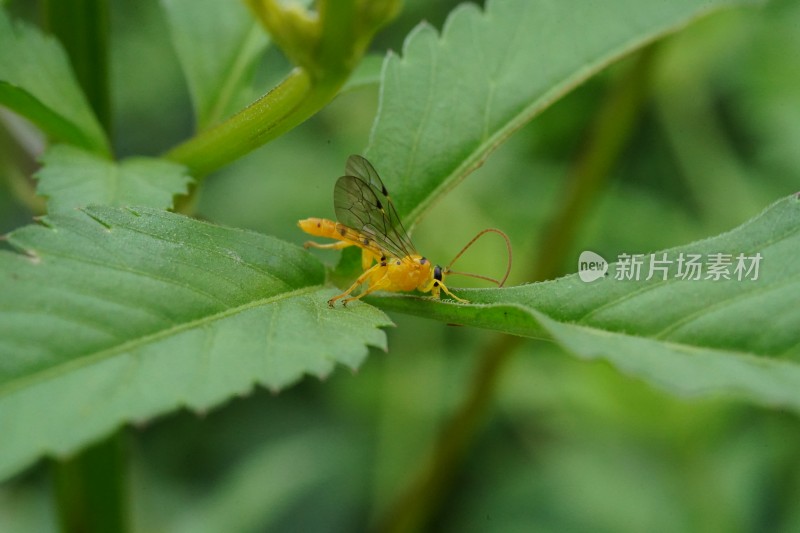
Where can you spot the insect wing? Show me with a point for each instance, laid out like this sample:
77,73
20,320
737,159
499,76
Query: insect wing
362,202
361,168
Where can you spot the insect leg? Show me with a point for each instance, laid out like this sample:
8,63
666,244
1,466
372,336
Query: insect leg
451,295
329,246
361,279
378,285
434,287
367,256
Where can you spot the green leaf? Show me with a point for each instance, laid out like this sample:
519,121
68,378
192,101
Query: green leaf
218,43
691,337
441,115
36,82
73,178
126,314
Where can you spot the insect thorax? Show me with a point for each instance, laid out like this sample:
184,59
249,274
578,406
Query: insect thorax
407,274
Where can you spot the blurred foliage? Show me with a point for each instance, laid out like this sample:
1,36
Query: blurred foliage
569,446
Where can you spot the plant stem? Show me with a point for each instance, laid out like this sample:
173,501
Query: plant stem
610,132
90,489
414,508
325,47
608,135
276,112
82,28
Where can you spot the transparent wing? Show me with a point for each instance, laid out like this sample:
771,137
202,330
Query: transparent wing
362,202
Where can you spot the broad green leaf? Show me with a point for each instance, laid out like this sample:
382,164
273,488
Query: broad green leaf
73,178
441,115
218,43
126,314
36,82
703,336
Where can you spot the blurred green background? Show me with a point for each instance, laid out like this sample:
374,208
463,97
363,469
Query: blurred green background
567,445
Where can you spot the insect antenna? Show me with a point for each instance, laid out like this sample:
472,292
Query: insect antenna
470,243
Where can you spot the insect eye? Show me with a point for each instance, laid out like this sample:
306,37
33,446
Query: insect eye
423,261
437,273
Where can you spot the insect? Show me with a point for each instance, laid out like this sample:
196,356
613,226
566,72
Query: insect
367,218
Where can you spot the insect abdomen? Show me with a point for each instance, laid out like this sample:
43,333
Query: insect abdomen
322,227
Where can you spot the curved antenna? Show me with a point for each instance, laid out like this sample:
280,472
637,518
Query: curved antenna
479,276
470,243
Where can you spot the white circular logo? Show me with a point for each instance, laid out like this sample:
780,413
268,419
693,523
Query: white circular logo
591,266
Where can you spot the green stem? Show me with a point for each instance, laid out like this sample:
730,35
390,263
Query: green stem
414,508
326,49
611,130
337,49
90,489
82,28
281,109
608,135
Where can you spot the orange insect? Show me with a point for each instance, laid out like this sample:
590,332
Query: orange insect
368,219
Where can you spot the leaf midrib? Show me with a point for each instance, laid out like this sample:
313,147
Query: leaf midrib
749,357
757,247
721,304
89,359
478,155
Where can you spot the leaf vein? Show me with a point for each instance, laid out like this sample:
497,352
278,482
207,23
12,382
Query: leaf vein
132,345
759,247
